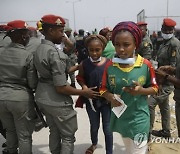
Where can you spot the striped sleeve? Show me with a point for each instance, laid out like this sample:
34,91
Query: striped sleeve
152,75
103,87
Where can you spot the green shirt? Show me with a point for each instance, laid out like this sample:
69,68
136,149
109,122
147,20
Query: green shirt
109,50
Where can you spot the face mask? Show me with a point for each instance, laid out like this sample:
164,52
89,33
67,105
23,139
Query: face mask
124,61
167,36
95,61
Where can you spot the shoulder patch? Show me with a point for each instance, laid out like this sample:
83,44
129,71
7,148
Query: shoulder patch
146,44
173,53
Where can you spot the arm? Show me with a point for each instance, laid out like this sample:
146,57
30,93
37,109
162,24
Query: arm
32,76
68,90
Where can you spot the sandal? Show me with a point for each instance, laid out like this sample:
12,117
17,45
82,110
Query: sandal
91,149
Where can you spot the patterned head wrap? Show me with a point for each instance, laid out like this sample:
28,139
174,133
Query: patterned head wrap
131,27
101,38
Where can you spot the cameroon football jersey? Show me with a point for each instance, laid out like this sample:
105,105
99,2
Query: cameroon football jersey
136,118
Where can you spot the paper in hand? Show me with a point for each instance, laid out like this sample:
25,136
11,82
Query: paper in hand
119,110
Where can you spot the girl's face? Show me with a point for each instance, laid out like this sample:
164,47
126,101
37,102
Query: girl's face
124,44
95,49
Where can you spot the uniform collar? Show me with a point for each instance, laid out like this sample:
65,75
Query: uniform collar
44,41
17,45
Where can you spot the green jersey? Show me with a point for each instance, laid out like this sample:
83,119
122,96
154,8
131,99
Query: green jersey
136,118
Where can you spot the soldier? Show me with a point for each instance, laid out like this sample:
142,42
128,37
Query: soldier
80,46
165,56
18,79
146,47
53,92
167,73
71,54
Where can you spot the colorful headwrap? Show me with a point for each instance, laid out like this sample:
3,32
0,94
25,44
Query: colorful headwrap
96,37
131,27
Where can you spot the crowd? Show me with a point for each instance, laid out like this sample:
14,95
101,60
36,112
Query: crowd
119,67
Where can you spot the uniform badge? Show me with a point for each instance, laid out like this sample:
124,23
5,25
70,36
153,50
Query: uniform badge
174,53
58,22
146,44
112,80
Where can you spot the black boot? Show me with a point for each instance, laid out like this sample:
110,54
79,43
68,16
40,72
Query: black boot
161,133
5,151
4,145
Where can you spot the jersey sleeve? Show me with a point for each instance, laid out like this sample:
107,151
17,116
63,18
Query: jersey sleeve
104,84
151,79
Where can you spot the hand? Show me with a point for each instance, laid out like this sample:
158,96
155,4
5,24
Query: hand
90,93
168,69
113,100
134,90
160,75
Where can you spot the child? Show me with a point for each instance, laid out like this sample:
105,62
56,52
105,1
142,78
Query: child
133,79
90,75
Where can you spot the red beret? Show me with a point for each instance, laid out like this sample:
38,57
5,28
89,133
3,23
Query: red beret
32,28
17,24
141,23
53,20
169,22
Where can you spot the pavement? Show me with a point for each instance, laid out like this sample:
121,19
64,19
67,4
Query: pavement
40,139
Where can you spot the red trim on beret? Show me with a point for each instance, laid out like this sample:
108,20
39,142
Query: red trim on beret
141,23
169,22
17,24
53,20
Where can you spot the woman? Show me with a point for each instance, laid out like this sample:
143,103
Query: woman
132,78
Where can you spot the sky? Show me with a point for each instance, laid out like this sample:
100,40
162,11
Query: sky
91,14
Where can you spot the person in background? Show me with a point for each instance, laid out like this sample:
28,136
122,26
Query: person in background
80,47
132,79
71,54
34,41
146,48
53,93
166,55
167,73
109,50
157,42
18,80
4,40
90,75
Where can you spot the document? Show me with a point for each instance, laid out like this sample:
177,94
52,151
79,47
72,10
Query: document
119,110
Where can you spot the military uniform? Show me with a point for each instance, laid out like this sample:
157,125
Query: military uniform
165,56
18,78
146,48
52,65
177,94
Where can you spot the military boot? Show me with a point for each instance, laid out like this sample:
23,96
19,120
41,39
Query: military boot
161,133
5,151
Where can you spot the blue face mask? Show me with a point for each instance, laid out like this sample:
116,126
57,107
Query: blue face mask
116,59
